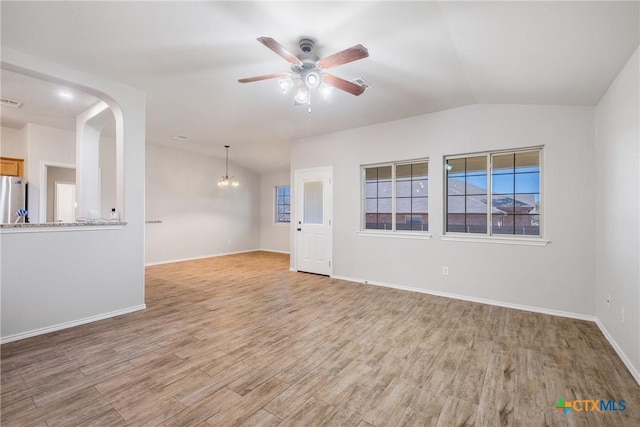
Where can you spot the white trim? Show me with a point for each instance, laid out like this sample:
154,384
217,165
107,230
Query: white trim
396,235
495,240
621,354
71,324
275,252
282,224
474,299
171,261
293,270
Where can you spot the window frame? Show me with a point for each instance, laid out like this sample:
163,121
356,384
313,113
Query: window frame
489,236
393,232
276,205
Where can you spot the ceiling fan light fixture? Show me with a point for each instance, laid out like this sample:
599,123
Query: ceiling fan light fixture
302,96
325,91
312,79
286,84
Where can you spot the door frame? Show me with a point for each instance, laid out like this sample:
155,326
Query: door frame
296,216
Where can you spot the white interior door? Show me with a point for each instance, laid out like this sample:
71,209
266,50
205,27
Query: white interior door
314,242
65,202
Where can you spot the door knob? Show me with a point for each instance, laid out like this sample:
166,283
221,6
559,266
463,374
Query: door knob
299,229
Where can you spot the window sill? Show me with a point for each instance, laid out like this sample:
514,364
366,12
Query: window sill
523,241
419,235
282,224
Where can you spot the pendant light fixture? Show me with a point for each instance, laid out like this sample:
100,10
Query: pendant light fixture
227,181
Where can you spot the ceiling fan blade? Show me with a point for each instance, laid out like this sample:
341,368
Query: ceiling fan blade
280,50
345,56
264,77
342,84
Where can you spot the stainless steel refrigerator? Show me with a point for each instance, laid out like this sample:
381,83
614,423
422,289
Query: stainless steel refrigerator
12,198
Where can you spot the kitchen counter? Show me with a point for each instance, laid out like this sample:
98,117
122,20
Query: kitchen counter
62,226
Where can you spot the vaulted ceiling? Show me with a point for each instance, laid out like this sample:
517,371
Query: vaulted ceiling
424,57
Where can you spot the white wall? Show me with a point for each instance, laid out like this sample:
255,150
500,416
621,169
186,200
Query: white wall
12,143
55,279
555,278
618,212
273,237
198,218
50,145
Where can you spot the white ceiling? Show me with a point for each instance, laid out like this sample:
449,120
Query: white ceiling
424,57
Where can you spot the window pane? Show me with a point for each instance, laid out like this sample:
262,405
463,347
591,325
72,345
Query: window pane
501,205
527,183
502,163
502,224
526,203
403,205
420,170
371,174
514,193
419,188
476,204
477,184
420,205
313,202
477,165
403,189
528,161
283,203
527,225
456,166
384,205
384,189
502,184
384,172
420,222
403,172
455,185
476,223
371,206
455,223
371,190
456,204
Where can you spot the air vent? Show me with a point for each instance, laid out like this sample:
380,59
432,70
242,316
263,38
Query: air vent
10,103
362,82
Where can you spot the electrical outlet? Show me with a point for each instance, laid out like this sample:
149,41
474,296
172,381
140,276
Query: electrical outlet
445,270
621,314
609,301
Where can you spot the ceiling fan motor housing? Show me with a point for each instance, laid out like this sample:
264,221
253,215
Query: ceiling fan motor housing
306,45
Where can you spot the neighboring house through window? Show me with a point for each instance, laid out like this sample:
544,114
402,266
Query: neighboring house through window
396,196
510,180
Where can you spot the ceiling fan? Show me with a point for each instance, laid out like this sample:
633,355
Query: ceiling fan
308,70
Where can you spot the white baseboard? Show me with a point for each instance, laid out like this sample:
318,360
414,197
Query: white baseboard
475,299
618,350
171,261
275,252
71,324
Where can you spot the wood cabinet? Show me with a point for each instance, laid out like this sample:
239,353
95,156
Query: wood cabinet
11,167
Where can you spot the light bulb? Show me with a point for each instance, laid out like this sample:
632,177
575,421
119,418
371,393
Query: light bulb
286,84
302,96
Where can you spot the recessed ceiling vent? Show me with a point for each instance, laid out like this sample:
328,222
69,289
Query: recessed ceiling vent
10,103
362,82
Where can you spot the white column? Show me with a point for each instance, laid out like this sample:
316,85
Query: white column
88,129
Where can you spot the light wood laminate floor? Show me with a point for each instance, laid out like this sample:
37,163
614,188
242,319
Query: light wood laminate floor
240,340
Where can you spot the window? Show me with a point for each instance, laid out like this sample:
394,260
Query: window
510,180
283,204
396,196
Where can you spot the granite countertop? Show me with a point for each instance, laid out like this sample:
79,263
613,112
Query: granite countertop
63,224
